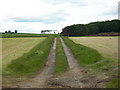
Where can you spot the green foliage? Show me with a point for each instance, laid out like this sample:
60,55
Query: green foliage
92,28
32,61
61,60
83,54
16,31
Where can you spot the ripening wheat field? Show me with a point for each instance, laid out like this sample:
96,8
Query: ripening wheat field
13,48
106,46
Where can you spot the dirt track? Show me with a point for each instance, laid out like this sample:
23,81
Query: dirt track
75,77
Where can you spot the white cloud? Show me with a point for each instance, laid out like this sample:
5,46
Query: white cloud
36,15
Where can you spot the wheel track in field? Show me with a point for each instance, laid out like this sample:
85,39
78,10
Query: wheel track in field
75,77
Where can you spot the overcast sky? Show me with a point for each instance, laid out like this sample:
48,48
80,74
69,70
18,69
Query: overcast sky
32,16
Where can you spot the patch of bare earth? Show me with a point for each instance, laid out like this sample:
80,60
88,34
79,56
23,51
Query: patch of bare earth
75,77
39,81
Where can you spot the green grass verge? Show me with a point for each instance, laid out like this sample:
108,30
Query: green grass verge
32,61
88,57
91,60
26,35
83,54
61,60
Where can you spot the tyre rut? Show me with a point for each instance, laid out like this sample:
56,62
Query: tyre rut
75,77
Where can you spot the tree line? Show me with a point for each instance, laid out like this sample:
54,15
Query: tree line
10,32
92,28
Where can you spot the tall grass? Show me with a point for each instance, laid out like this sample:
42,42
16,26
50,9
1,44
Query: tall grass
32,61
61,60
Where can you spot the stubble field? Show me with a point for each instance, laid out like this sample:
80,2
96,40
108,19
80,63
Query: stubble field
106,46
12,48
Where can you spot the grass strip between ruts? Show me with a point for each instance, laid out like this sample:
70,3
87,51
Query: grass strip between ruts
61,60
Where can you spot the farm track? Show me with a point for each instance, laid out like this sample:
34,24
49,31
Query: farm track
75,77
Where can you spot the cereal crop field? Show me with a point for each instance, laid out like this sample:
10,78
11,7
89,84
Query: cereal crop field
13,48
106,46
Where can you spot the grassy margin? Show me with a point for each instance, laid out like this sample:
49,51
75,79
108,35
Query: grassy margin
83,54
32,61
61,59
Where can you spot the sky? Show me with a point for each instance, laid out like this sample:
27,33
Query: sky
32,16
